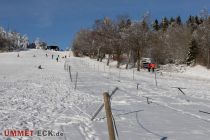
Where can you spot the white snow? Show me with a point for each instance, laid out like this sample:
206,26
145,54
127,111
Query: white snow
32,98
198,71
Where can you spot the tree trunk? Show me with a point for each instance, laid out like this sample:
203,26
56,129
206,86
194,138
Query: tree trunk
157,62
118,59
208,65
108,60
102,57
98,55
138,60
129,59
89,53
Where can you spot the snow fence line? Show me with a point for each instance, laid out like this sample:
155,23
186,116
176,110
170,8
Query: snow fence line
112,129
101,107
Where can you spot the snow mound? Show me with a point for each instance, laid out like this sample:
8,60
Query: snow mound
173,68
198,71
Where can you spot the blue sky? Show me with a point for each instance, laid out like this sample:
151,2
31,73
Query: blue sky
57,21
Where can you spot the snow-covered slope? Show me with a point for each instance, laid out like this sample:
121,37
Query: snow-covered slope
199,72
32,98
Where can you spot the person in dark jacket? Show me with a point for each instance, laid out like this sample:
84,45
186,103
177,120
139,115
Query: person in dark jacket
149,67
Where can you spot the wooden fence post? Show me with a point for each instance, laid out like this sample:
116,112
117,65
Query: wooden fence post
119,73
70,73
133,74
155,78
109,116
104,68
98,67
101,107
137,86
76,81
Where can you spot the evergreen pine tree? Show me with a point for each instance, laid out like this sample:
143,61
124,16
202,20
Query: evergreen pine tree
197,20
128,23
191,56
172,20
155,25
178,20
189,21
165,24
192,23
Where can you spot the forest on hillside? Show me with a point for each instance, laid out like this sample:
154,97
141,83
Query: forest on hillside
11,40
169,40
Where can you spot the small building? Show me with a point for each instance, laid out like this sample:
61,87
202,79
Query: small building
41,45
55,48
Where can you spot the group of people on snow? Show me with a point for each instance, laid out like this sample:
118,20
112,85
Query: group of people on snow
57,58
151,66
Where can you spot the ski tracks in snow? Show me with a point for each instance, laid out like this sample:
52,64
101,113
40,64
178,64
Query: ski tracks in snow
43,99
46,99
